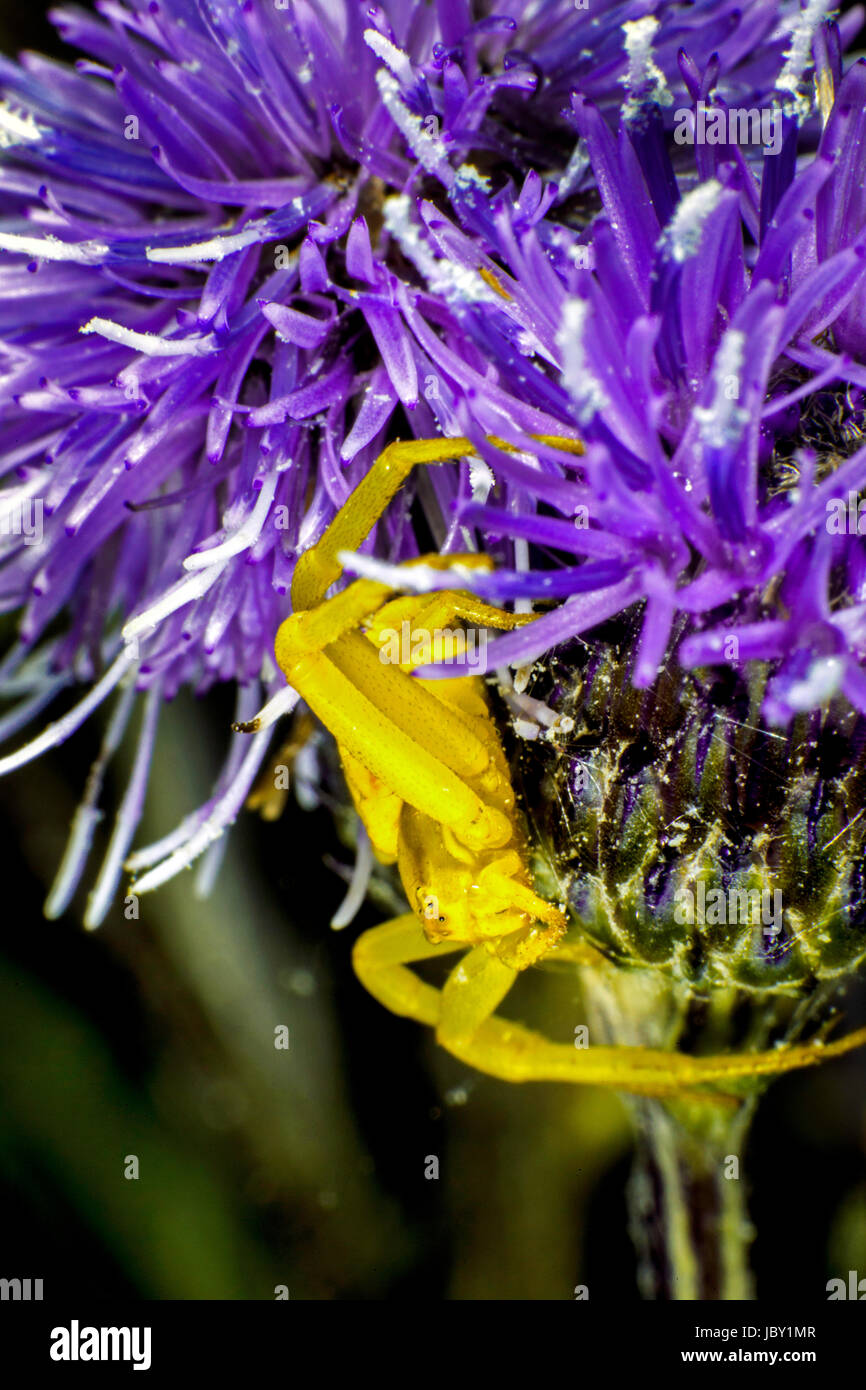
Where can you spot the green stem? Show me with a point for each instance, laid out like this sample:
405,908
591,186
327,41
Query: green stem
689,1218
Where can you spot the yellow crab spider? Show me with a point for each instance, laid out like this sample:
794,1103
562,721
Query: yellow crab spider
428,776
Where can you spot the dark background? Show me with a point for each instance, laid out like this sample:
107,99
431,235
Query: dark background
258,1168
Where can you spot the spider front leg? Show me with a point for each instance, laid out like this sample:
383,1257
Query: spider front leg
432,614
319,567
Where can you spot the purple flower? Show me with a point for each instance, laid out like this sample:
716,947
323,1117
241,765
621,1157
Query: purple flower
243,245
690,338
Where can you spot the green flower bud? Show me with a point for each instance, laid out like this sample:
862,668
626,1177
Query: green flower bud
686,836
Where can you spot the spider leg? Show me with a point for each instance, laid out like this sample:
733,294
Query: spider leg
429,613
380,957
409,704
473,991
515,1053
319,567
331,682
474,988
309,631
440,609
498,878
463,1015
393,727
421,747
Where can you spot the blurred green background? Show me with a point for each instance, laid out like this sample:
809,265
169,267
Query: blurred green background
305,1167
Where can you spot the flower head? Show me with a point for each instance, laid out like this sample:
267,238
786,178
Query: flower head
252,242
692,353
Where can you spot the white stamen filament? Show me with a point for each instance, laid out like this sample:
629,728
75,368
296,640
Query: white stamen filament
413,579
587,390
215,249
521,563
50,249
644,81
184,591
160,849
78,846
448,277
481,480
26,710
798,57
681,238
819,685
354,899
56,733
151,344
222,815
100,899
17,128
277,706
88,814
401,223
722,422
421,139
390,54
533,709
243,538
12,498
208,869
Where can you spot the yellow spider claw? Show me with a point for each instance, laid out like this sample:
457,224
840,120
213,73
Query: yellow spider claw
428,776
